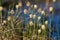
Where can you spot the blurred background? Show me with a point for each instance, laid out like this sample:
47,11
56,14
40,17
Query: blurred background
30,19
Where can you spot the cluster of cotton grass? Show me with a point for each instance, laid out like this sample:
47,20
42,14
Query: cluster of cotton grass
33,28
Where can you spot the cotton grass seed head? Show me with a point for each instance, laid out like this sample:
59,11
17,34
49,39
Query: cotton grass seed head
28,4
54,0
39,18
25,11
9,18
19,4
43,12
4,21
30,23
43,27
30,15
46,22
34,16
35,6
1,8
51,9
39,10
12,11
39,31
